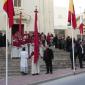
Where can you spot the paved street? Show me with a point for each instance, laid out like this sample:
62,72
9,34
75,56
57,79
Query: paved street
71,80
38,79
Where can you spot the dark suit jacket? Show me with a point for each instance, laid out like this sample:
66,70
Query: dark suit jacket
48,55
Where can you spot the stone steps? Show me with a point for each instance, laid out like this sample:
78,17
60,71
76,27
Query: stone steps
61,60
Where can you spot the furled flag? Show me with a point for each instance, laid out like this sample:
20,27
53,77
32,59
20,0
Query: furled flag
36,39
81,25
8,7
71,15
20,22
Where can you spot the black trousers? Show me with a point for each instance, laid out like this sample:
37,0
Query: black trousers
49,66
80,60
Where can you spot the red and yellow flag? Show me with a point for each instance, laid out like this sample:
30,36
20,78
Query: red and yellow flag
9,9
71,15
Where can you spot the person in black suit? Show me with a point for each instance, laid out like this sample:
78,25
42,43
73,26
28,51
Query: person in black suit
80,53
48,57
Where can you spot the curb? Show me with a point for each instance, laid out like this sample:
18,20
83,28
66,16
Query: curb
70,74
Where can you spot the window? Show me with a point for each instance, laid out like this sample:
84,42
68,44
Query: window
17,3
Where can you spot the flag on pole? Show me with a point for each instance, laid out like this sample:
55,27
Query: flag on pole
36,39
72,21
81,25
71,15
20,22
9,9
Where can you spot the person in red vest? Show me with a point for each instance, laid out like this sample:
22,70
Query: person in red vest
48,39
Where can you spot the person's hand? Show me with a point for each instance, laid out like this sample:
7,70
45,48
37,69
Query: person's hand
29,57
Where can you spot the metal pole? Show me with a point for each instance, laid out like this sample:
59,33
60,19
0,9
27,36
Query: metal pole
73,51
44,16
6,51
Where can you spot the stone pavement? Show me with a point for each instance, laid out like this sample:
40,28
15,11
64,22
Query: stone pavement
34,80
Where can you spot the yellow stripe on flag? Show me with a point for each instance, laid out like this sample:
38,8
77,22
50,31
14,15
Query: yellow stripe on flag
4,1
71,6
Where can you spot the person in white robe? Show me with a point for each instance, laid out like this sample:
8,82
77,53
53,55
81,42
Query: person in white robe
35,69
23,61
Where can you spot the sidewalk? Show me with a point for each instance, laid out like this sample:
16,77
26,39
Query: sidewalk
34,80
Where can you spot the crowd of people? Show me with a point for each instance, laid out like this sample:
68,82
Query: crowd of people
45,52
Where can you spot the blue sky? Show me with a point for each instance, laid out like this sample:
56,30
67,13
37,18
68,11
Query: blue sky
78,4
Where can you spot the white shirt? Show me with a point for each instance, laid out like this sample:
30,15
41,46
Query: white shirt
23,57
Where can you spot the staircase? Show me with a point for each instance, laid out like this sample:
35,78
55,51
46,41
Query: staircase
61,60
2,61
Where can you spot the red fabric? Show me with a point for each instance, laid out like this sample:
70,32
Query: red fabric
20,24
8,7
72,18
48,38
16,43
81,28
36,39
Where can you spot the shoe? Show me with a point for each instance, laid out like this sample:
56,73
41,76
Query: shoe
25,73
33,74
37,74
81,67
22,73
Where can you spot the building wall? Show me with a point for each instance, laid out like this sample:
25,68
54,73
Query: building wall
45,15
68,32
2,18
49,18
60,18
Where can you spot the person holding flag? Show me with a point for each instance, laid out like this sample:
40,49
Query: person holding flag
34,49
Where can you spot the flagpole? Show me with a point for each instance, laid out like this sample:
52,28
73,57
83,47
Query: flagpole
44,16
80,23
72,21
9,9
39,18
73,50
6,50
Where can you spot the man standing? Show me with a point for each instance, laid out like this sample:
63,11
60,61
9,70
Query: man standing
80,53
48,56
35,66
23,61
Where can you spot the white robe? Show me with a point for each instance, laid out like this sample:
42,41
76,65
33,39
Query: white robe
23,61
35,66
